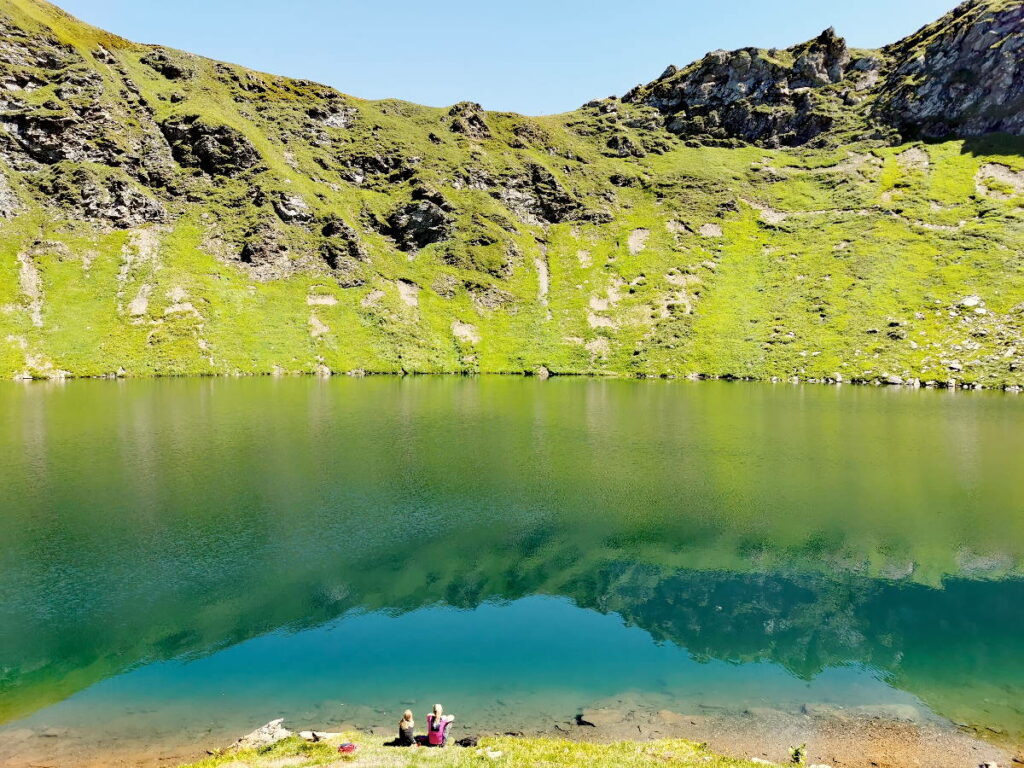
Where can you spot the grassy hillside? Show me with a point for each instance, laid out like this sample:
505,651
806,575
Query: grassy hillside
164,214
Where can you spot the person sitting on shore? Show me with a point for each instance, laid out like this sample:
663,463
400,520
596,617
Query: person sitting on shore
438,724
406,730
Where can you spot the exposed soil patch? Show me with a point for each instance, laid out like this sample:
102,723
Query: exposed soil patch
1008,183
638,240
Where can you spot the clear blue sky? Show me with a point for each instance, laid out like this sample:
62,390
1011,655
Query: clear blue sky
530,56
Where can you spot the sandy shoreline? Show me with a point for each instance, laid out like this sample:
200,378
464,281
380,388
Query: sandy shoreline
846,738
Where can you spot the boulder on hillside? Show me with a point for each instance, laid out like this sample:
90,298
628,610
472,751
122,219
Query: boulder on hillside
218,150
343,252
291,208
417,225
468,119
341,243
166,64
423,221
265,254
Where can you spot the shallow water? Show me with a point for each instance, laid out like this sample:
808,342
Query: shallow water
186,559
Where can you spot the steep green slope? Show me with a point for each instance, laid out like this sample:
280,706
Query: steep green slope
161,213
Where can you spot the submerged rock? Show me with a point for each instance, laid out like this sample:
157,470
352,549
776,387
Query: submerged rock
604,717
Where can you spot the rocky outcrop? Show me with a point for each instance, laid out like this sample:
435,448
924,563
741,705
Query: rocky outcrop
265,254
961,76
342,249
372,167
167,64
22,48
764,97
538,198
9,204
468,119
217,150
291,208
73,123
264,736
423,221
104,195
53,133
334,116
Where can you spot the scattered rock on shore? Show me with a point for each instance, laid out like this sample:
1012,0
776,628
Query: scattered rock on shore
264,736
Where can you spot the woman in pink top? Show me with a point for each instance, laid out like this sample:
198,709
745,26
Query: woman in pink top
438,724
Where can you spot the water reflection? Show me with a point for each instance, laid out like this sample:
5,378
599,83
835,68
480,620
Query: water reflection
805,528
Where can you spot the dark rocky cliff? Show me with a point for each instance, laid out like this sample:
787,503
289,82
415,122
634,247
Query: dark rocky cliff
961,76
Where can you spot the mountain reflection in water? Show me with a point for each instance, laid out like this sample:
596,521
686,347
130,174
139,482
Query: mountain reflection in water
804,528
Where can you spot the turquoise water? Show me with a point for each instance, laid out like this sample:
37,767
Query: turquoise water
186,559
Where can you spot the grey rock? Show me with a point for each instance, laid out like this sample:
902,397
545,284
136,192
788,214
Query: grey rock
538,198
334,115
292,209
961,76
264,736
419,223
385,168
101,195
266,254
603,717
9,204
22,49
622,145
468,119
218,150
48,137
343,252
750,95
102,54
167,64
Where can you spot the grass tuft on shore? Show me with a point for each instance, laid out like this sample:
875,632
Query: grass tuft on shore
501,751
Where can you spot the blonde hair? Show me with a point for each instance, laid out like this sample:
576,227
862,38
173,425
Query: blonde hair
438,710
407,716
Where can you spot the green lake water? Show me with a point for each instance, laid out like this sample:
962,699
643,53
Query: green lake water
196,557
